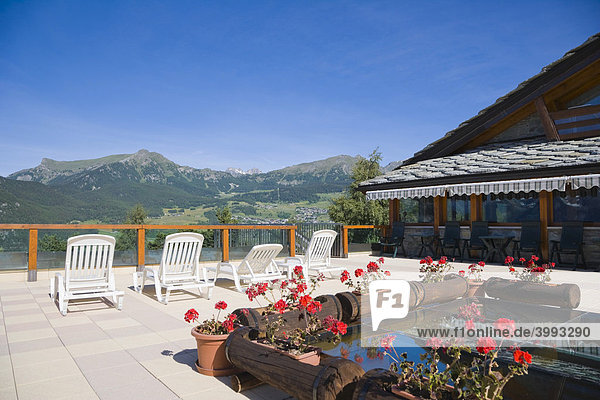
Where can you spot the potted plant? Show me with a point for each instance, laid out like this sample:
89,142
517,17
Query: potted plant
360,283
474,377
292,299
474,279
432,271
530,272
210,336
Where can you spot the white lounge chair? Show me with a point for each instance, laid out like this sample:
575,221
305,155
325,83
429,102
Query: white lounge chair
179,267
257,266
317,257
88,272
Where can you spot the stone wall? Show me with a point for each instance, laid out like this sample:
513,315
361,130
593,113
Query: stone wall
528,128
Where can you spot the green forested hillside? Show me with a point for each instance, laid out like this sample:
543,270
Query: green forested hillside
105,188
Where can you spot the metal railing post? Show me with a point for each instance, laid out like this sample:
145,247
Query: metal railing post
32,261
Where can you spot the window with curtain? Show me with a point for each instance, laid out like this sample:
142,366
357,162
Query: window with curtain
458,208
511,207
578,205
416,210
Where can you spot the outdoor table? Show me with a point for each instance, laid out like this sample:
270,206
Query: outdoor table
496,244
428,242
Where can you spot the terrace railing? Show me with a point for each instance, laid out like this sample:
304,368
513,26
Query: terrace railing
229,240
225,236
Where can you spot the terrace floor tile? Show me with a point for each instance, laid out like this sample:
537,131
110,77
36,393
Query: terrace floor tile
39,356
104,360
75,387
45,371
97,347
33,345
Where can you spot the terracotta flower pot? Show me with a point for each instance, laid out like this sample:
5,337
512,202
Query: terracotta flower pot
212,360
475,289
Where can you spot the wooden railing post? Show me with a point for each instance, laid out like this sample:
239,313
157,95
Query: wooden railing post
293,241
225,237
141,248
345,241
32,261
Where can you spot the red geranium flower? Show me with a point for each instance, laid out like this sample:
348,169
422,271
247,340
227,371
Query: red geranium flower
280,306
221,305
387,341
358,358
191,315
372,267
314,307
305,300
345,276
508,260
522,357
481,264
298,270
358,272
485,345
380,260
522,260
387,273
505,323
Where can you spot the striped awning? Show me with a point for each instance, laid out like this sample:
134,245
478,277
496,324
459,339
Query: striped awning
494,187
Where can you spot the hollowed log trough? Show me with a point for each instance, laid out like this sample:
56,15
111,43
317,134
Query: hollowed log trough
334,378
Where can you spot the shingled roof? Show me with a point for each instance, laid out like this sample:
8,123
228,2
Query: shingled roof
551,75
494,162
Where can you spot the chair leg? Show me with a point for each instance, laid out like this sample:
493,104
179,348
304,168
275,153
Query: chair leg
135,282
395,251
166,298
209,292
144,276
120,302
158,290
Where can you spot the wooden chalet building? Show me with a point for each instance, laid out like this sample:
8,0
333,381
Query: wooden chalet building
532,155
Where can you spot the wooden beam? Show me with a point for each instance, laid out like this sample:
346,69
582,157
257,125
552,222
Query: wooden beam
578,124
141,249
581,135
575,112
547,122
544,218
32,259
225,239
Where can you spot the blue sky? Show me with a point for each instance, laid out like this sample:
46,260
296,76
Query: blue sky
263,84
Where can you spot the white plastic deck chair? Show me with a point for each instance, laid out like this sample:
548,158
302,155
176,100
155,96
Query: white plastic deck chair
317,257
88,272
179,267
257,266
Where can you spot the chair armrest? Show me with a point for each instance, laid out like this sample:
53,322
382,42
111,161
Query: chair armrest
298,260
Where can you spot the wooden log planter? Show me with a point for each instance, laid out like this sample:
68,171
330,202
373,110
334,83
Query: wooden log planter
376,384
565,295
334,378
293,319
350,303
452,287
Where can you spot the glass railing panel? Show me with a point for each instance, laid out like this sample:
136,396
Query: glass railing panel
14,248
360,240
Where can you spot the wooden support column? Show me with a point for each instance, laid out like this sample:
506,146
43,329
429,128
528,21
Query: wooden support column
476,201
32,261
393,210
345,241
225,237
544,199
141,249
547,121
293,242
437,214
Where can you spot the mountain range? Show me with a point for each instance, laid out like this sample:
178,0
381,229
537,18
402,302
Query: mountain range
105,188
